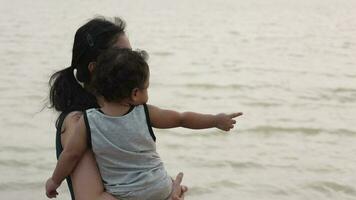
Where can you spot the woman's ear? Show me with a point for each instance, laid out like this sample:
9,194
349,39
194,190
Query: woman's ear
91,66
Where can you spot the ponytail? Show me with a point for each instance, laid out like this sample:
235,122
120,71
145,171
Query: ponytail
67,95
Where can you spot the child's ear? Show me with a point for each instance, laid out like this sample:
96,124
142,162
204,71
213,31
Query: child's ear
134,94
91,66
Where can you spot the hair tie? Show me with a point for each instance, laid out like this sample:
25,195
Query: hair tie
90,40
75,71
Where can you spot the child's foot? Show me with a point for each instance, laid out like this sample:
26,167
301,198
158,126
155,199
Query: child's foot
178,189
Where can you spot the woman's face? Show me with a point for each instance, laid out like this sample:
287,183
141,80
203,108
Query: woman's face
123,42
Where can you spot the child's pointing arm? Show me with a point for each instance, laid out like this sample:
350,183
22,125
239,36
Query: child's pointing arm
161,118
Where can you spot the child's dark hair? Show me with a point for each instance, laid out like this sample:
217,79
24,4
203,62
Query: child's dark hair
118,72
66,94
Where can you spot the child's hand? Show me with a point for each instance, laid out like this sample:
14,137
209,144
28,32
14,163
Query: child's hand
225,122
51,188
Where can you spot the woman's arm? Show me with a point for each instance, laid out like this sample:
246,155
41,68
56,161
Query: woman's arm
161,118
74,149
86,179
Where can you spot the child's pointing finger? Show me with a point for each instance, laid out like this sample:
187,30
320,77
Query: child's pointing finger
233,115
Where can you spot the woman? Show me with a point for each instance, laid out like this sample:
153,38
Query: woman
69,94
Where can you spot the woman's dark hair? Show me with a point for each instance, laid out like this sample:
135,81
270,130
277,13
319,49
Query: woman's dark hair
118,72
66,94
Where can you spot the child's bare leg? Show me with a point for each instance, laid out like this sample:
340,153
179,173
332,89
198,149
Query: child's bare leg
106,196
86,179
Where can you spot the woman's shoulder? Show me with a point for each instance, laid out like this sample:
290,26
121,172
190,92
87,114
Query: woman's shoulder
68,126
71,119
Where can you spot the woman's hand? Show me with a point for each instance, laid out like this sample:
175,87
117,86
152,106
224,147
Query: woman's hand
226,122
51,188
178,189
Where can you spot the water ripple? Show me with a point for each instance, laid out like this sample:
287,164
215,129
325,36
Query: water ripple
305,130
17,185
329,186
244,165
162,54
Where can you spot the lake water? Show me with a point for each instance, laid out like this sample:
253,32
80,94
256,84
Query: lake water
289,65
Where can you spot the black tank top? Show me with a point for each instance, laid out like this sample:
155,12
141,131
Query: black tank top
59,148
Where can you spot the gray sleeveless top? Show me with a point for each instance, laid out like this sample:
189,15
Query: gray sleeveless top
125,151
